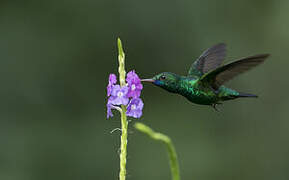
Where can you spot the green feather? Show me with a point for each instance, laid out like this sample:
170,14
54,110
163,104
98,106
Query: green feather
209,60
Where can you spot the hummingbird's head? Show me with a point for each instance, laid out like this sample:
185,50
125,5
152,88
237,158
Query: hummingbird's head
165,80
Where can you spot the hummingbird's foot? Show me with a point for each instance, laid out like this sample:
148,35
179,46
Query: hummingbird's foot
215,107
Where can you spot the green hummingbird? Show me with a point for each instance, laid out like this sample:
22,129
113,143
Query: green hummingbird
204,82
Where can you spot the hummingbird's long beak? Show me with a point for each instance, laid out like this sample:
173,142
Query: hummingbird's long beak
148,80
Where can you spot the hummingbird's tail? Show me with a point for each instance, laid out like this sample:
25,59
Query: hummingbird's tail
229,94
246,95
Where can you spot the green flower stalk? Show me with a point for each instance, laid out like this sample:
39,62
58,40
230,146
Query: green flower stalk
126,99
121,69
169,145
123,149
123,146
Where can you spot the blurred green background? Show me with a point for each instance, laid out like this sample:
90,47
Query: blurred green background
55,58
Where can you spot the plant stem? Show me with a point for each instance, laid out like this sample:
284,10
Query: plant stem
122,172
124,124
169,145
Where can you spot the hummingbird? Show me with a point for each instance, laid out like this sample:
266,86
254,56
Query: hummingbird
204,83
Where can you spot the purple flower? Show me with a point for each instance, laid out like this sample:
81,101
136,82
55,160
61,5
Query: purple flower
134,108
118,95
108,112
125,95
134,84
111,82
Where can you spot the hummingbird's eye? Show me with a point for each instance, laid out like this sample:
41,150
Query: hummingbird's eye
163,77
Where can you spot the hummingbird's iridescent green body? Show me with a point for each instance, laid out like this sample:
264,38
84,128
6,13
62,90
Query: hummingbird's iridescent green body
194,92
204,82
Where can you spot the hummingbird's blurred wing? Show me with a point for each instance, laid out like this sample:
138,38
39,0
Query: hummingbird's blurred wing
219,76
209,60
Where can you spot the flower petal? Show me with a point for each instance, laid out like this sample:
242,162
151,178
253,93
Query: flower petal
132,77
112,79
119,95
108,112
134,108
134,84
111,82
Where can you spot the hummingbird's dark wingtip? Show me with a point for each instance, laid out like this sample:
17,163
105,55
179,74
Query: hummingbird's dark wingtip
148,80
